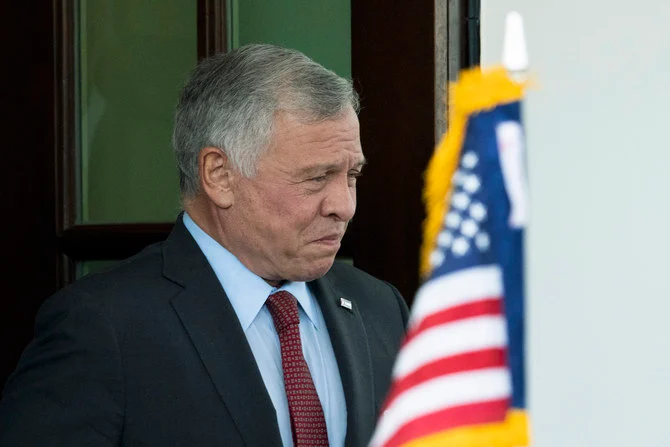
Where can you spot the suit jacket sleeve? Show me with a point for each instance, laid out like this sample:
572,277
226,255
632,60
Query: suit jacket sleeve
67,389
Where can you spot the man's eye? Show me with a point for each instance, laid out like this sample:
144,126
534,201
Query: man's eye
319,179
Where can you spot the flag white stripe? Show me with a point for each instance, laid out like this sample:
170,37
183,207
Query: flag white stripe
461,287
471,334
442,393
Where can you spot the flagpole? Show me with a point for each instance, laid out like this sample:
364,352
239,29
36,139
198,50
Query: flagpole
515,53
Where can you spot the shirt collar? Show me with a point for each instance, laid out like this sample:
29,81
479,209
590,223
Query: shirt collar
246,291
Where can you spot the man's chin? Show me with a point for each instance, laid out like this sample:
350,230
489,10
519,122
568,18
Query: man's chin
314,271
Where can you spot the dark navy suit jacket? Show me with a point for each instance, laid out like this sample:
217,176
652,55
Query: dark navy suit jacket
151,353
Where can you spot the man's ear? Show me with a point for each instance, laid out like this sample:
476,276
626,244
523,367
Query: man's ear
217,176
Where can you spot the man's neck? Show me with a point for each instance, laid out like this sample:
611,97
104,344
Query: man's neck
205,219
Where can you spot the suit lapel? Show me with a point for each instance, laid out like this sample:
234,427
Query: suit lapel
352,352
213,327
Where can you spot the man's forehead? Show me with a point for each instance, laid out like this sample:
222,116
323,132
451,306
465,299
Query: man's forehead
317,142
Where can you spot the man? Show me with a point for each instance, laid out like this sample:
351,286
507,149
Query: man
239,329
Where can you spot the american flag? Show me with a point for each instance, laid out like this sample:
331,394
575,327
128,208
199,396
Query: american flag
458,379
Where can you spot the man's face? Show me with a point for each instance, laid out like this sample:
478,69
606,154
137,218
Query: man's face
288,220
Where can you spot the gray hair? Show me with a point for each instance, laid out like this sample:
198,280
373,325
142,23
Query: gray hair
231,99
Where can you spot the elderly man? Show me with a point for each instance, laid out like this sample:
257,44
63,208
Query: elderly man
240,328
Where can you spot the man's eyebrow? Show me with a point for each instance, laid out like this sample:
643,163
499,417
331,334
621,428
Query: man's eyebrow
327,167
361,163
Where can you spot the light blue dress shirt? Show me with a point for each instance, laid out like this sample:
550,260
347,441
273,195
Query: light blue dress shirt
247,293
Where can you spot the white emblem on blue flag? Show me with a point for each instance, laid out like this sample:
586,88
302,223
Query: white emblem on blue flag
511,149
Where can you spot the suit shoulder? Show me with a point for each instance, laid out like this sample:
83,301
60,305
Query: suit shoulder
350,279
372,294
343,273
115,286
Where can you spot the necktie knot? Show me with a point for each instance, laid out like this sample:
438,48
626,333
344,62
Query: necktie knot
284,310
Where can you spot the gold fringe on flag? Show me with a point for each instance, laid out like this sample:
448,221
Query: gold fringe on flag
511,433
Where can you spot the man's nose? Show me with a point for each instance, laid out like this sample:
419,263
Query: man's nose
340,201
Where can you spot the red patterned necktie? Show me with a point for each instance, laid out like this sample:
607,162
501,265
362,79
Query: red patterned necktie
307,421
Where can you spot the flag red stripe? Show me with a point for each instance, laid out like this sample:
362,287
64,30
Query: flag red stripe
487,306
473,414
485,358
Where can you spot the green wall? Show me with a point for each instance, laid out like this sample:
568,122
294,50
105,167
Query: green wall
319,28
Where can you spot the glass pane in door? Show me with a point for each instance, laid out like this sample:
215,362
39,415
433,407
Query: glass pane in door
133,57
319,28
